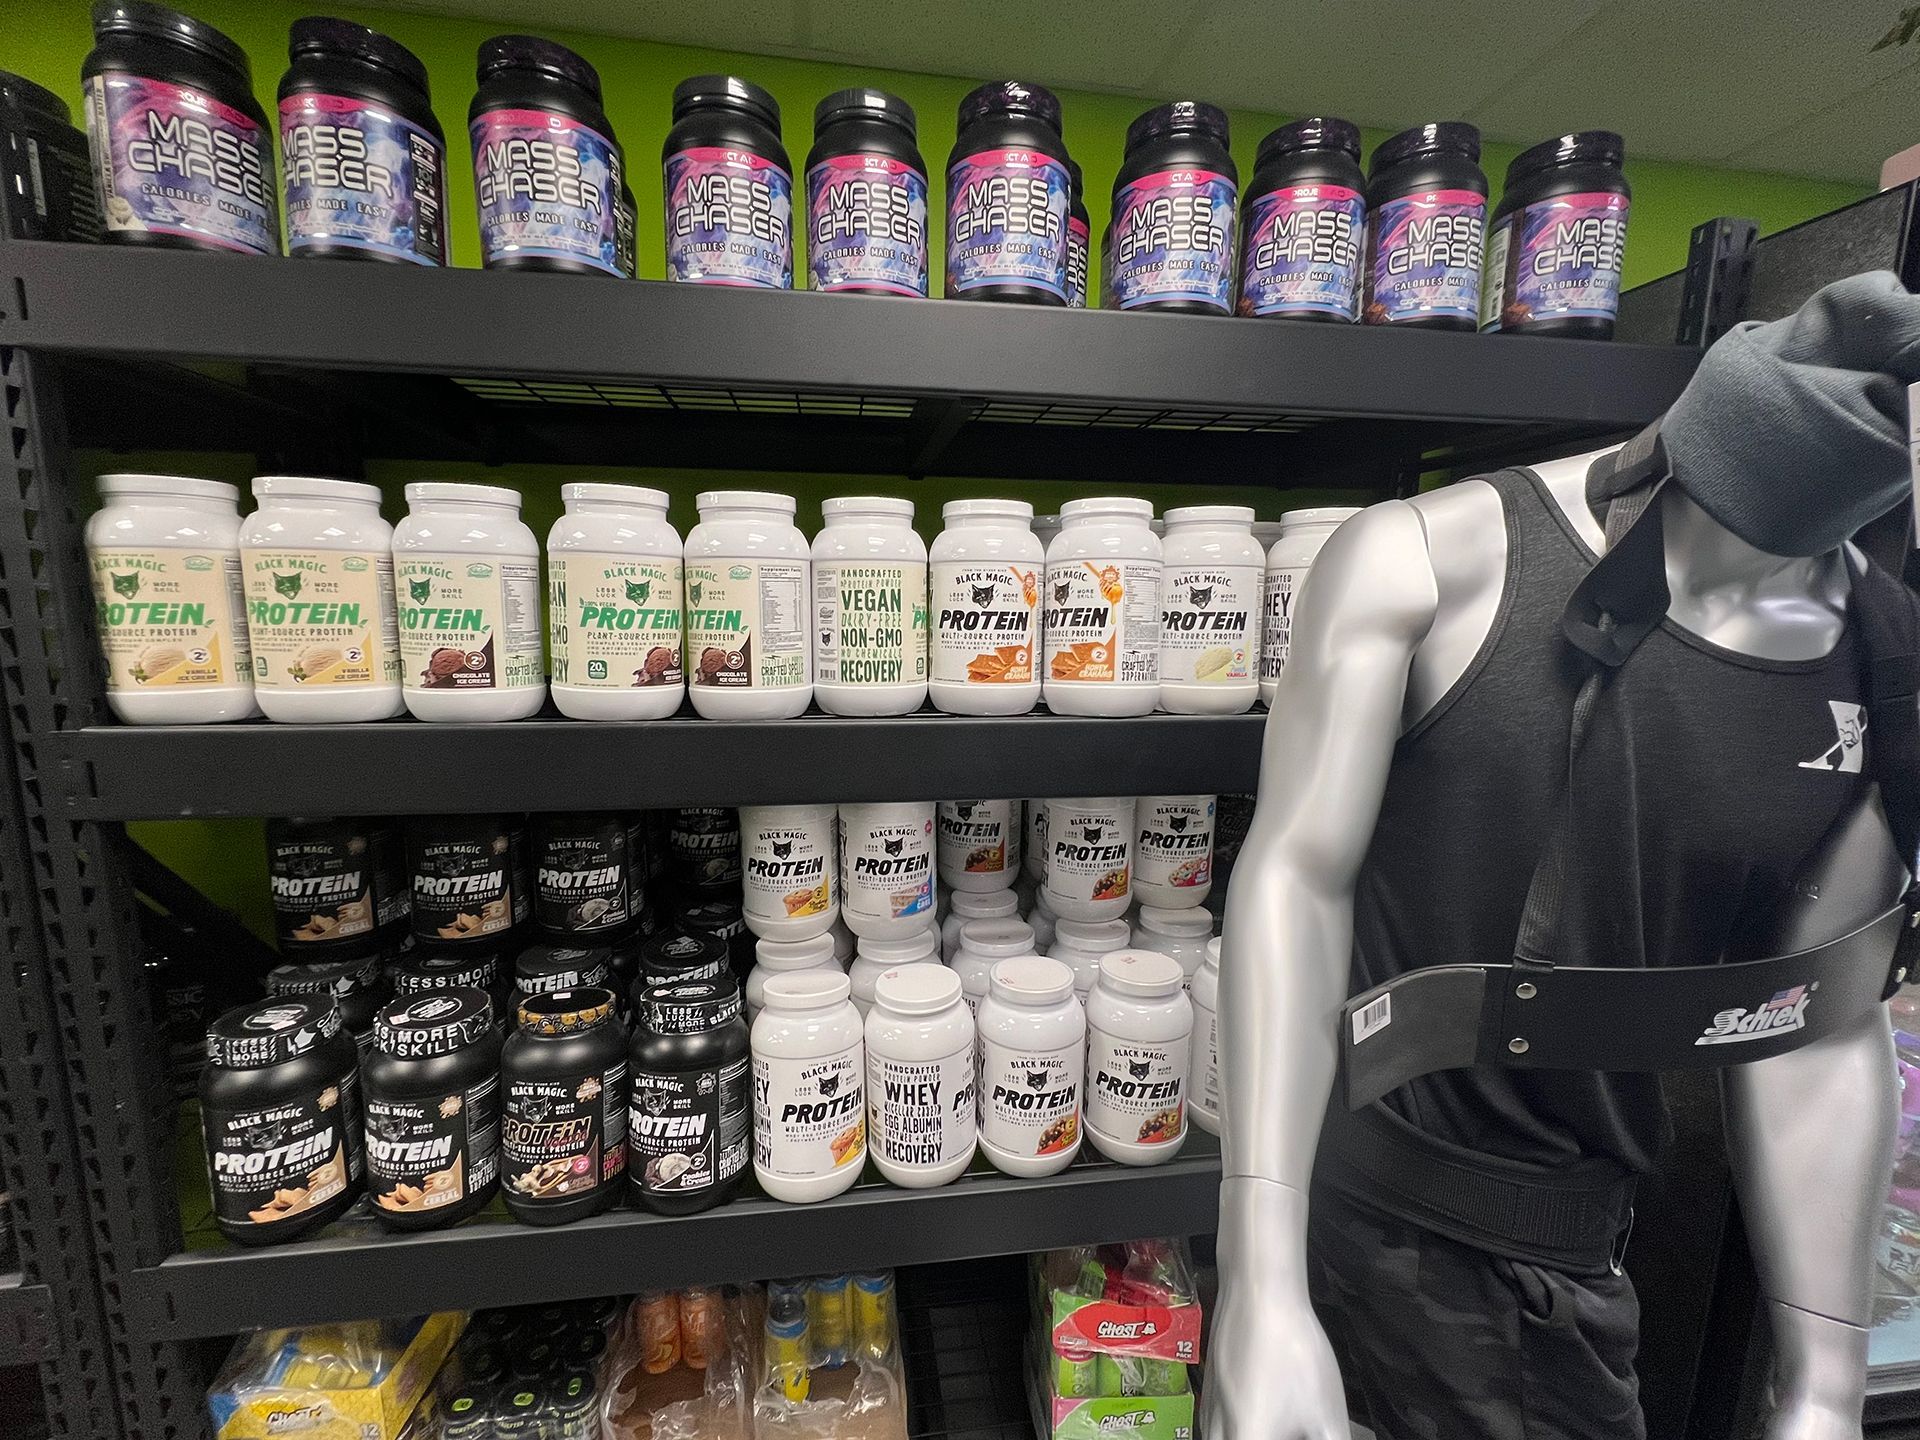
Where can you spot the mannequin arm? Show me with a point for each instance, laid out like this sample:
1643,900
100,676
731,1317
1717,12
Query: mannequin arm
1810,1137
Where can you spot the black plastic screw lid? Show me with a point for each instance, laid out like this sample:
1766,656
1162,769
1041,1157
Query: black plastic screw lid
324,977
321,34
442,969
136,17
530,52
682,950
1316,132
1443,137
1583,147
685,1006
1011,96
727,92
423,1026
271,1032
1179,117
21,93
542,959
566,1012
863,104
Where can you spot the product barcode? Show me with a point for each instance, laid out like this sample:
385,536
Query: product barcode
1372,1018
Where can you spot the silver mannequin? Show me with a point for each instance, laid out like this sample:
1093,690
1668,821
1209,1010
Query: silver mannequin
1397,605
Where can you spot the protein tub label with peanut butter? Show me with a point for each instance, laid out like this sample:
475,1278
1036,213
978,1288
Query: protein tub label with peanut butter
469,624
276,1162
560,1139
1030,1099
463,885
170,616
616,620
426,1154
321,617
747,624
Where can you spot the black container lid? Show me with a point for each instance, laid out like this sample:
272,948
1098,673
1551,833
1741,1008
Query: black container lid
1443,137
543,962
690,1007
861,103
23,94
338,978
421,1027
534,1361
582,1349
427,970
680,950
726,92
566,1012
1600,147
1179,117
271,1032
156,22
1010,97
323,35
467,1412
530,52
710,917
571,1398
1316,132
481,1360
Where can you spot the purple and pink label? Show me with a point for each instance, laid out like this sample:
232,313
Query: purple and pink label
1077,250
729,218
172,160
547,186
1423,257
867,225
1007,222
1556,259
1301,254
1173,239
360,177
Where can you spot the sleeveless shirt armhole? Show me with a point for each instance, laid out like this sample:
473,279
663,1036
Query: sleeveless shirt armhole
1500,481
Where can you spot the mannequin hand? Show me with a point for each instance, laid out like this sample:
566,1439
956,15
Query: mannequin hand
1271,1375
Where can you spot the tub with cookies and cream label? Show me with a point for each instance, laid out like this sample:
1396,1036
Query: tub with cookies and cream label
321,618
170,616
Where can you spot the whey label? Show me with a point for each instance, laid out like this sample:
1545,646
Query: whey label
423,1155
1556,259
562,1138
333,886
867,225
704,845
922,1112
1276,641
1029,1099
1077,250
1173,239
321,617
872,623
979,837
1303,252
469,624
1007,221
274,1162
887,869
809,1116
1173,844
1209,623
747,623
1088,850
989,622
461,886
359,176
689,1132
1135,1089
171,616
547,186
616,620
173,160
1103,621
581,880
788,870
729,218
1424,257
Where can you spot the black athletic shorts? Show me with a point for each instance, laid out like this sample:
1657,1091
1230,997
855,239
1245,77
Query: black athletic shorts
1444,1342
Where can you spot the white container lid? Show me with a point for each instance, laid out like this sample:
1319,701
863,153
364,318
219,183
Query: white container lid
990,905
1144,974
129,483
1323,515
901,951
811,989
447,492
997,937
1032,980
994,509
1213,952
605,493
867,505
807,954
1210,515
917,989
1108,505
1161,920
275,487
1094,934
744,500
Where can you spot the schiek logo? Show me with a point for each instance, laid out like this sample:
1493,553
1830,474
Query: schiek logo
1785,1012
1850,749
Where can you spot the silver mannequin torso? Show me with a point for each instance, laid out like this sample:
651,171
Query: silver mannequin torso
1397,606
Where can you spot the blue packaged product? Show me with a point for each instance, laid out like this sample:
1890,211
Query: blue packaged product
1426,228
729,186
1173,212
1303,226
1559,238
866,197
1008,197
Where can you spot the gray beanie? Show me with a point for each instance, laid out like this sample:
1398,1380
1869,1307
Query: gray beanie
1793,433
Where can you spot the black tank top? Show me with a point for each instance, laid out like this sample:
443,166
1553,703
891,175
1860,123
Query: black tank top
1706,779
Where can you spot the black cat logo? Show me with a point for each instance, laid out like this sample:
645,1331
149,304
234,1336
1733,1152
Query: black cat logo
386,1127
693,592
1093,833
127,585
983,595
265,1137
637,590
829,1085
536,1109
1176,823
782,849
287,585
1062,591
420,589
1139,1069
894,847
963,808
1036,1079
654,1102
1203,595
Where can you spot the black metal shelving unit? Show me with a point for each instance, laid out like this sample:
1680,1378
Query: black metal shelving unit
333,365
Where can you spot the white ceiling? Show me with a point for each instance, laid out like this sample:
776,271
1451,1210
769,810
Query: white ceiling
1759,84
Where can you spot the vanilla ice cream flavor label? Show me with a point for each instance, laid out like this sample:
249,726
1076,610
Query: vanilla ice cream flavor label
1210,623
321,617
171,616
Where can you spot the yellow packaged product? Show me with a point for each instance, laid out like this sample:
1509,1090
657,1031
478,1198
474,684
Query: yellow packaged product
357,1381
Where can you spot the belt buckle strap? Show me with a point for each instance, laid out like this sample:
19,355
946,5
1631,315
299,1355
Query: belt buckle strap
1616,1262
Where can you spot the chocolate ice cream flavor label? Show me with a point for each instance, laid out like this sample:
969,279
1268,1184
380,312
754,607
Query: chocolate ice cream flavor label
617,619
747,624
469,624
